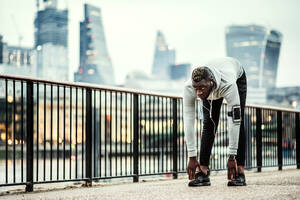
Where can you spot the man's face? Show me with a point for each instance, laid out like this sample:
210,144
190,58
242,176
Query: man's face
203,88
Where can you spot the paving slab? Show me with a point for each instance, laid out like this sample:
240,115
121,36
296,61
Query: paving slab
265,185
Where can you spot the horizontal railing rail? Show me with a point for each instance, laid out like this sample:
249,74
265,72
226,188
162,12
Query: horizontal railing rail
57,132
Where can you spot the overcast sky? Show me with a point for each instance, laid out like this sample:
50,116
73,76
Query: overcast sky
195,28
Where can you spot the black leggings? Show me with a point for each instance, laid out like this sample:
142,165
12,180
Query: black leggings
208,134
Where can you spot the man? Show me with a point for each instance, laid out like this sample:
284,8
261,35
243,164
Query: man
222,78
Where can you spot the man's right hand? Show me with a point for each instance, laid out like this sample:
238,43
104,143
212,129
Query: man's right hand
192,166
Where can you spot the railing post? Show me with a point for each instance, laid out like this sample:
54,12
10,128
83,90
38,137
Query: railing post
279,139
29,136
136,126
175,170
258,140
297,140
88,138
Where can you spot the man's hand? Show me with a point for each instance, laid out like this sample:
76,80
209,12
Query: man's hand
231,168
192,166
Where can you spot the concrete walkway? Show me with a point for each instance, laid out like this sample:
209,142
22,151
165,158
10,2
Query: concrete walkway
266,185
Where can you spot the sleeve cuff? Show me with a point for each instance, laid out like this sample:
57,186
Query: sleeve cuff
192,153
232,151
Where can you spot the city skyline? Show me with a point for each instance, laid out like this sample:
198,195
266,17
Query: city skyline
196,29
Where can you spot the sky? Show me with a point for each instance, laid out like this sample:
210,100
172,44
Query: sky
195,28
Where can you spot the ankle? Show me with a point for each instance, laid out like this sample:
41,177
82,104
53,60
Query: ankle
204,169
241,169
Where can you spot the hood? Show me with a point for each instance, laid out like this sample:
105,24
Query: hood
217,79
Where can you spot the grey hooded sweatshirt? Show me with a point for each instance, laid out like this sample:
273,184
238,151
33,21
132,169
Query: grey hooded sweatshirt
226,71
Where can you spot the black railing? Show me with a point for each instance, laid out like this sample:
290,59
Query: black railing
57,132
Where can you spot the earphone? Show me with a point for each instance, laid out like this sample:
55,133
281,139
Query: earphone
210,112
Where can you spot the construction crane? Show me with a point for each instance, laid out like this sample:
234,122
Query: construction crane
20,37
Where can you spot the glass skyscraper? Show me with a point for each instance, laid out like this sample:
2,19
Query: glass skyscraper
95,62
51,42
180,71
257,48
164,57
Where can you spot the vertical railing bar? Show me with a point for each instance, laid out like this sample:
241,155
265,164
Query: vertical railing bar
6,131
105,134
29,136
45,120
100,131
51,130
174,114
94,135
121,134
76,132
163,133
131,132
116,132
158,134
57,142
136,137
140,131
297,132
181,141
14,131
70,138
88,137
110,133
154,133
145,132
166,133
150,131
37,130
22,133
126,134
64,121
258,139
169,134
82,132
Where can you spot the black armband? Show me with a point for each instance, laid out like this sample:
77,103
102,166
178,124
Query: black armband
235,114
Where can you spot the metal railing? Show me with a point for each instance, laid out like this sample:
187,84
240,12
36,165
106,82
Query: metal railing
56,132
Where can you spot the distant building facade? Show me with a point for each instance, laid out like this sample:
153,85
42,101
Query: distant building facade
16,60
284,96
180,71
51,42
257,48
164,57
95,62
139,80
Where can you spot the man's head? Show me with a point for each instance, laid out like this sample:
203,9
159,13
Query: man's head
202,82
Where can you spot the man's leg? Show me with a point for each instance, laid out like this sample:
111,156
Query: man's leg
242,87
208,134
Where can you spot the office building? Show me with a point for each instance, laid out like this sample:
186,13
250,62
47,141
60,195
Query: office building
164,58
95,62
180,71
51,42
257,48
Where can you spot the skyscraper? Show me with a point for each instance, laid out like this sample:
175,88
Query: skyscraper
164,57
258,49
51,41
95,63
180,71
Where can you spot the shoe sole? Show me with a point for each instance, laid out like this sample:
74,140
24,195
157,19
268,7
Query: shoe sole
200,184
235,184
